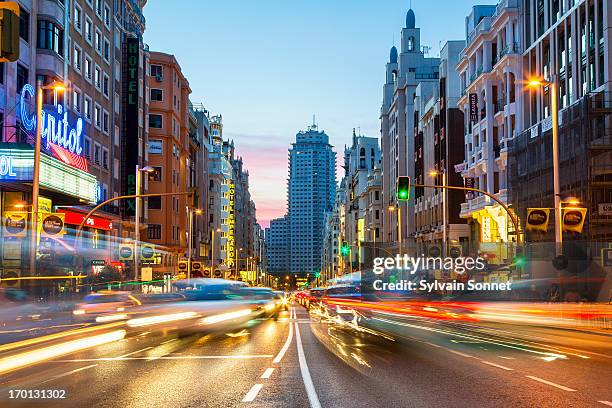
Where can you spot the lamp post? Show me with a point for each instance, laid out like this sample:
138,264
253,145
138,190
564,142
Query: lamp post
552,86
435,173
192,211
146,169
36,170
399,224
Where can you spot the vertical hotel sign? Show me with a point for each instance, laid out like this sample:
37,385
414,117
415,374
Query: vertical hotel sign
231,219
473,99
129,141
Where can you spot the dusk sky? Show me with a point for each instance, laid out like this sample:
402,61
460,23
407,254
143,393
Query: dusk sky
267,66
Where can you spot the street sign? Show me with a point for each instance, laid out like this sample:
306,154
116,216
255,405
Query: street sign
147,251
455,251
196,265
126,252
218,273
182,265
206,273
98,262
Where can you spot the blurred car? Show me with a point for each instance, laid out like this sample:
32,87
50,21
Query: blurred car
336,300
103,303
15,306
313,297
300,296
209,289
268,302
283,298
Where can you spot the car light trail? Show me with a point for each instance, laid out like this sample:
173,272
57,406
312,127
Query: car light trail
226,316
35,356
146,321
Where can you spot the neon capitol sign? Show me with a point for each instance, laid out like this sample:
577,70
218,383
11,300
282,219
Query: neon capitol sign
56,131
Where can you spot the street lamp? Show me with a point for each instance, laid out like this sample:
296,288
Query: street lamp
435,173
536,83
192,211
139,171
56,87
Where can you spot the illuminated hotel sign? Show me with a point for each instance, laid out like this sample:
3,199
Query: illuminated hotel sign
18,165
61,139
231,219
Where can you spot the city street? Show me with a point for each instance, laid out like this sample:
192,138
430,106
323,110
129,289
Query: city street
298,362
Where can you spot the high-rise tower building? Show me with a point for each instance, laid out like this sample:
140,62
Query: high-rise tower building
311,191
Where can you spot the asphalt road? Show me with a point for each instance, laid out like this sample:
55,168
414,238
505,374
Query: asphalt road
301,361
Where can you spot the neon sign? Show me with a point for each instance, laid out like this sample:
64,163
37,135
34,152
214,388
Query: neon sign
59,137
231,220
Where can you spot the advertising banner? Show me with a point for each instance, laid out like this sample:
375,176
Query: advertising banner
573,219
537,219
15,223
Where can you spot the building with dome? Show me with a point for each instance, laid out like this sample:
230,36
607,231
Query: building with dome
404,71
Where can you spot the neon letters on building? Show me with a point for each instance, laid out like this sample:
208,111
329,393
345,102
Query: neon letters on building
60,138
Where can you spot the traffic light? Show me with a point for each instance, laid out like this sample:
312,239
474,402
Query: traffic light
520,261
318,275
403,188
345,250
9,31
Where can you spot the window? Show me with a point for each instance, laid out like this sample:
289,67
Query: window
156,174
88,30
105,121
156,146
105,85
76,99
154,231
99,8
97,116
88,68
87,147
22,76
116,104
50,37
77,57
155,121
116,167
157,95
105,158
98,41
107,16
107,50
87,105
157,71
154,203
98,77
97,149
78,16
116,135
24,25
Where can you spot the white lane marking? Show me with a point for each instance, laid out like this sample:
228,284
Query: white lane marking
507,358
69,373
433,345
267,373
283,350
459,353
135,352
561,387
310,389
608,403
252,394
167,341
497,365
244,356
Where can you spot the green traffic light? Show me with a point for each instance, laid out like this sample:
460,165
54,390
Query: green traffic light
520,261
345,250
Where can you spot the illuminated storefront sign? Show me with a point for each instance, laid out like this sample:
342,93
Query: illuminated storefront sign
60,138
231,228
75,218
54,174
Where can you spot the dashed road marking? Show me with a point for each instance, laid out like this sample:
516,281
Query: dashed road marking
460,353
497,365
561,387
68,373
267,373
252,394
135,352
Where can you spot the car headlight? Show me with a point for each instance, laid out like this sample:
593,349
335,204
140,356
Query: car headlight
78,312
269,307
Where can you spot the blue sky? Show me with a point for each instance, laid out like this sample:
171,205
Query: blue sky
267,66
